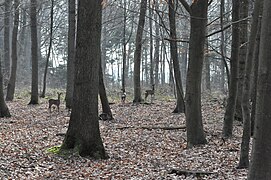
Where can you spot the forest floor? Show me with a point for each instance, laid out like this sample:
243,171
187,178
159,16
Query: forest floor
138,146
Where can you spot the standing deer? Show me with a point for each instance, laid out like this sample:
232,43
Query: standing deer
149,92
55,102
123,96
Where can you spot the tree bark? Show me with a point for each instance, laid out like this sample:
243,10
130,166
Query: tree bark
71,55
83,132
34,53
4,111
231,101
12,79
151,43
49,50
137,54
156,47
104,100
242,56
261,160
195,133
180,107
7,38
245,104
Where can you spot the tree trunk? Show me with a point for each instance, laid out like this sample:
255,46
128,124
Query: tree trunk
151,43
12,79
222,47
105,105
156,47
4,111
261,160
124,54
71,55
49,50
231,101
180,108
244,153
255,77
34,53
242,56
137,54
83,132
7,38
195,133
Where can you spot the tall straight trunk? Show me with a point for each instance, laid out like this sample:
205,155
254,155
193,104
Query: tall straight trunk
207,70
180,108
151,43
231,101
124,54
7,38
223,63
198,14
244,153
12,79
242,56
261,149
255,77
34,54
156,47
71,55
49,49
83,133
137,54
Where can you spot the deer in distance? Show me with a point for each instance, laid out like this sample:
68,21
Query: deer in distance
55,102
150,92
123,96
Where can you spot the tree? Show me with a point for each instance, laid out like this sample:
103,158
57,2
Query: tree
242,56
7,38
231,101
12,79
137,54
198,15
180,108
261,160
245,103
71,55
83,132
4,111
104,100
49,49
34,54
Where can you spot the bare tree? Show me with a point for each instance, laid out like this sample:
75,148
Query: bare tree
137,54
49,49
261,160
12,79
198,22
83,132
34,53
71,55
231,101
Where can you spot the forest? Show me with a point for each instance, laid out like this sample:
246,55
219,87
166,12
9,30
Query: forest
135,89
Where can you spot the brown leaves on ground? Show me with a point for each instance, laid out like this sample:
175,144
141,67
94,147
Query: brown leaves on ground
135,153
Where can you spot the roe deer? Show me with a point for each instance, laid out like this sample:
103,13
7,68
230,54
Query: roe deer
123,96
149,92
55,102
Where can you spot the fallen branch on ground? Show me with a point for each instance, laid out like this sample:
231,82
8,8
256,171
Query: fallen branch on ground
189,172
152,127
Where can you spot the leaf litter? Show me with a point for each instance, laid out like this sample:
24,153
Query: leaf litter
135,153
